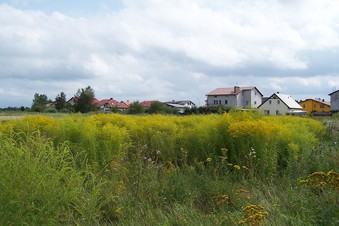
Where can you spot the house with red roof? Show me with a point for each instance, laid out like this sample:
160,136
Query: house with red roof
239,97
107,104
124,105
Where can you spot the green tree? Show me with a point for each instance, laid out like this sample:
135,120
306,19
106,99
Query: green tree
84,100
60,101
156,108
136,108
39,102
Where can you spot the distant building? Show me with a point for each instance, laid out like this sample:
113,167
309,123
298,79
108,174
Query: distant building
107,104
315,105
239,97
334,101
180,105
281,104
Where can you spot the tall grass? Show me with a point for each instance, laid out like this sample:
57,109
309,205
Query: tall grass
165,170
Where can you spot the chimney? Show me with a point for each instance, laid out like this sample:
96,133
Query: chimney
236,89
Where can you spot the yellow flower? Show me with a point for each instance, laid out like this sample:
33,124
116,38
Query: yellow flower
237,167
208,159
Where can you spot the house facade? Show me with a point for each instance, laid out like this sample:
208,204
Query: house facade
239,97
107,104
315,105
334,101
281,104
181,105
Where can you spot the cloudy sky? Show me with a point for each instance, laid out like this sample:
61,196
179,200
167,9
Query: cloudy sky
167,49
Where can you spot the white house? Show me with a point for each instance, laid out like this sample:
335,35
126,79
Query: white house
181,105
240,97
281,104
334,101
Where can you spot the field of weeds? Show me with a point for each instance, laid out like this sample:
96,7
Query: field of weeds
240,168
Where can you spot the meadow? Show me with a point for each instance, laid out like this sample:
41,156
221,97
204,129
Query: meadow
239,168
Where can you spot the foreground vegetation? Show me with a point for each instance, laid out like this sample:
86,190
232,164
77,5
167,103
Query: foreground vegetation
240,168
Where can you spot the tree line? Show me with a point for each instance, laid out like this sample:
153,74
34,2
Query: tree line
83,103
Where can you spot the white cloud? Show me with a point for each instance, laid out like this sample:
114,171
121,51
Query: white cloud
170,49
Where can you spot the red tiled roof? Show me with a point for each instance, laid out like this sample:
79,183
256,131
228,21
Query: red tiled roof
146,103
123,105
229,91
111,102
95,101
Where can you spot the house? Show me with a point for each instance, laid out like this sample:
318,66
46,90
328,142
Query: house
124,105
315,105
281,104
239,97
107,104
146,103
181,105
334,101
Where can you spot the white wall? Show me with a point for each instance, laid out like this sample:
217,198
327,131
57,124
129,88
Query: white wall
274,107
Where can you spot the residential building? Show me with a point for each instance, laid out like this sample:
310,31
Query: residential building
124,105
334,101
315,105
147,103
281,104
239,97
107,104
180,105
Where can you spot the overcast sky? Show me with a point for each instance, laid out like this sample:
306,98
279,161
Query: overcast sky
167,49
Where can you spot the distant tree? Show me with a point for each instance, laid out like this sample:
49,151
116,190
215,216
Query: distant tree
60,101
84,100
39,102
136,108
156,107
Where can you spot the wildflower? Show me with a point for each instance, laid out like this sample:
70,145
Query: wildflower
208,159
118,210
244,167
237,167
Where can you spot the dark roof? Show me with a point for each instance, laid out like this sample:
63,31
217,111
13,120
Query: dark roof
333,92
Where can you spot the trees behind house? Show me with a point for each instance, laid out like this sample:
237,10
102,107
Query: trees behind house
60,101
39,102
136,108
84,100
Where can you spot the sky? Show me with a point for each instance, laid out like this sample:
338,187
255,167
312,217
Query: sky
167,49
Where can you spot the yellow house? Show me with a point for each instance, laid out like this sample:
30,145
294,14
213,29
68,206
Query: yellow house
315,105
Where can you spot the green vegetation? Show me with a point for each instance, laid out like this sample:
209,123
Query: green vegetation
238,168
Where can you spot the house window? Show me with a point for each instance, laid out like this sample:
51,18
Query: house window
304,106
278,101
226,102
277,112
270,101
215,101
267,112
219,101
315,106
322,106
255,102
246,103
